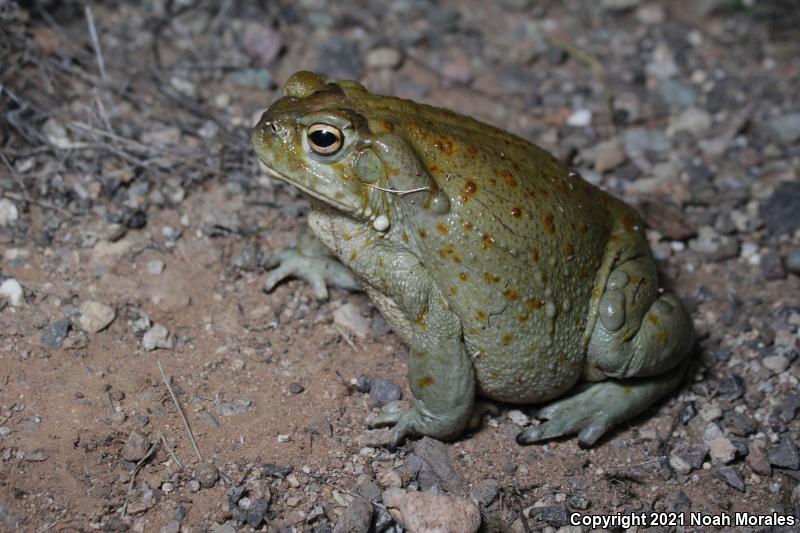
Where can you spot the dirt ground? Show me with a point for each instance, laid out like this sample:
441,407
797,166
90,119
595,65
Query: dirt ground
139,230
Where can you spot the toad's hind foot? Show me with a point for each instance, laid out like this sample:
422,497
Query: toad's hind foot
595,408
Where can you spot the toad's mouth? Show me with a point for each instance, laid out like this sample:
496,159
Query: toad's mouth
316,195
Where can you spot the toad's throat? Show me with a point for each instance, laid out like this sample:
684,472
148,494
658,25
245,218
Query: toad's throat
269,171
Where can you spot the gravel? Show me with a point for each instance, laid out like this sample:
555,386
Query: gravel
731,476
781,211
437,466
55,333
784,454
158,337
445,514
383,391
349,318
95,316
206,474
786,128
9,214
356,518
136,447
485,491
687,456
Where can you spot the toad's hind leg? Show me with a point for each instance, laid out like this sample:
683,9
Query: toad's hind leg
640,341
597,407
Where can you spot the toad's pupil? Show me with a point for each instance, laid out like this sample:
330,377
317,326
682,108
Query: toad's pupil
323,138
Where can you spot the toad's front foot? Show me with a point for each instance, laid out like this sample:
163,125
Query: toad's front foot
413,423
319,271
597,407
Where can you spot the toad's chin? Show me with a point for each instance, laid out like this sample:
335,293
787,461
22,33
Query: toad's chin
315,195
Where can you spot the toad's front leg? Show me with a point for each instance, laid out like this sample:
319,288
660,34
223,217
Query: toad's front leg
441,378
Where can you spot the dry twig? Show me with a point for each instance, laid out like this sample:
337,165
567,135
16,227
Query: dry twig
180,411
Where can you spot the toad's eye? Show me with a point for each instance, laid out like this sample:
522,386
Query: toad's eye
325,139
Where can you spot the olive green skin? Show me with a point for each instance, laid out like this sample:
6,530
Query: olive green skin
484,252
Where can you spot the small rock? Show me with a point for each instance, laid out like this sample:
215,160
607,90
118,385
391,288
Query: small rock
619,5
36,455
255,513
793,262
158,337
206,474
296,388
273,470
710,412
320,425
579,501
776,363
580,118
9,214
357,518
155,267
194,485
95,316
383,57
687,412
739,424
694,120
722,451
555,515
349,318
785,454
136,447
785,128
437,466
233,408
262,41
714,246
667,218
55,333
772,267
731,476
11,290
731,388
638,141
781,211
227,527
9,518
676,94
608,155
518,417
485,491
424,512
789,407
173,526
383,391
757,459
686,456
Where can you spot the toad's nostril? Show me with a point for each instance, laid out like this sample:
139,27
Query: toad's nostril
275,127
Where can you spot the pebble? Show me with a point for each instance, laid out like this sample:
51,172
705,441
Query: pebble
784,454
423,512
793,262
255,513
518,417
580,118
158,337
781,211
694,120
357,517
757,458
11,290
262,41
686,456
555,515
437,466
349,318
786,128
296,388
731,476
95,316
731,388
36,455
383,57
714,246
173,526
579,501
136,447
776,363
641,140
772,267
194,485
9,214
619,5
155,267
608,155
676,94
710,412
227,527
485,491
55,333
721,450
383,391
206,474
